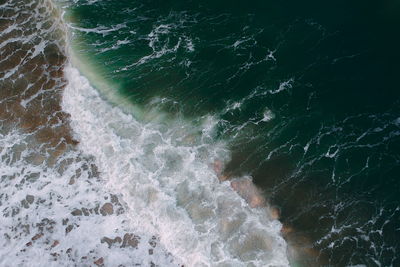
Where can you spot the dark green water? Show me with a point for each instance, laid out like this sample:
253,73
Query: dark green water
306,94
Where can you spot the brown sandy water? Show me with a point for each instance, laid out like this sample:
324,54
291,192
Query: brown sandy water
54,209
301,251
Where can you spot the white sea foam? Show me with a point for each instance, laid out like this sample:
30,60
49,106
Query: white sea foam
283,86
161,45
162,171
99,30
37,201
268,115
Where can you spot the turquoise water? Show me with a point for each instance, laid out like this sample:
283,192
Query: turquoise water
306,95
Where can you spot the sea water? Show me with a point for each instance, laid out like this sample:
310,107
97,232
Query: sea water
131,104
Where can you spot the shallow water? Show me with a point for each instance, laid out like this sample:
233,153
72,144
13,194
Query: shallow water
55,207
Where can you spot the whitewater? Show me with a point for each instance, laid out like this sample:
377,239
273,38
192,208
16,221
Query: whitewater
164,174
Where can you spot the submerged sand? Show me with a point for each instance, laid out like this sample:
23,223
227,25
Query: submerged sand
54,209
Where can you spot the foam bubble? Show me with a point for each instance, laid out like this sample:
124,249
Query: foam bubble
268,115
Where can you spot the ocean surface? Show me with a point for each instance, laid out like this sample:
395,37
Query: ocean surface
140,133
